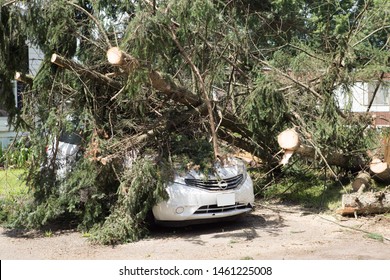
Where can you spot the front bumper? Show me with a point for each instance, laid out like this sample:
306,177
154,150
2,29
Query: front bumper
188,203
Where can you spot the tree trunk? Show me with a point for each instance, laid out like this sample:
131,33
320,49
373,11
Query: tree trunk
26,79
289,141
83,71
361,180
380,170
175,92
118,58
129,63
365,203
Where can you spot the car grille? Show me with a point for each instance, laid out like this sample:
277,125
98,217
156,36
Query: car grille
216,185
219,209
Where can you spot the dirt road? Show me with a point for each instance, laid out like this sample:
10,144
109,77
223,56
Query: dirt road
272,232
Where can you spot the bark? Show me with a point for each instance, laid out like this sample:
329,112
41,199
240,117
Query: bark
333,158
83,71
361,181
23,78
365,203
172,90
386,149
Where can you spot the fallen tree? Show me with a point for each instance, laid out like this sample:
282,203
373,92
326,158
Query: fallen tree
289,141
182,95
365,203
84,71
155,94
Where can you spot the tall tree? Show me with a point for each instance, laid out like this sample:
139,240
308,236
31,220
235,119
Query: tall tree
186,76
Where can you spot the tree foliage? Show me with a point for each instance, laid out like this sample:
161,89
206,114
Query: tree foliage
274,63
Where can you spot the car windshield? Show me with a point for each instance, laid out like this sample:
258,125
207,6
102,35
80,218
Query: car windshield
70,138
70,134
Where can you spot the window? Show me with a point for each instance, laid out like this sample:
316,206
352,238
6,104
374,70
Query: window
381,96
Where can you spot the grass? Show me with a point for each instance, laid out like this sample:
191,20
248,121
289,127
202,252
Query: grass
11,183
375,236
310,189
246,258
13,193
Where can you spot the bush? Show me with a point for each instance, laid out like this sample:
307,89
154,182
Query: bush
17,155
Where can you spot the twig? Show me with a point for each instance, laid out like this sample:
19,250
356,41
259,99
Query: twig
95,20
348,227
378,84
369,35
316,94
9,3
306,52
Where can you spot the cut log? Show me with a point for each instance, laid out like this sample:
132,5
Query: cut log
386,149
380,170
377,166
332,158
83,71
365,203
361,181
288,139
286,157
23,78
166,86
118,58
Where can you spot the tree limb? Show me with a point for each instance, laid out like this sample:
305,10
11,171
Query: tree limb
203,91
316,94
81,70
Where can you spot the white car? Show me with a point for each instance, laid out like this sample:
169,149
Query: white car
197,198
193,196
66,153
65,150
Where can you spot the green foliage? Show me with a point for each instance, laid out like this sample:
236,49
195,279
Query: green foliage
52,30
84,197
17,155
375,236
141,188
188,151
265,111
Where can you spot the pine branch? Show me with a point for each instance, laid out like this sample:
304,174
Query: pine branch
9,3
95,20
203,91
315,93
369,35
81,70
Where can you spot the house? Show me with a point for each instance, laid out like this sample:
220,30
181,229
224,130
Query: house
372,97
7,134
